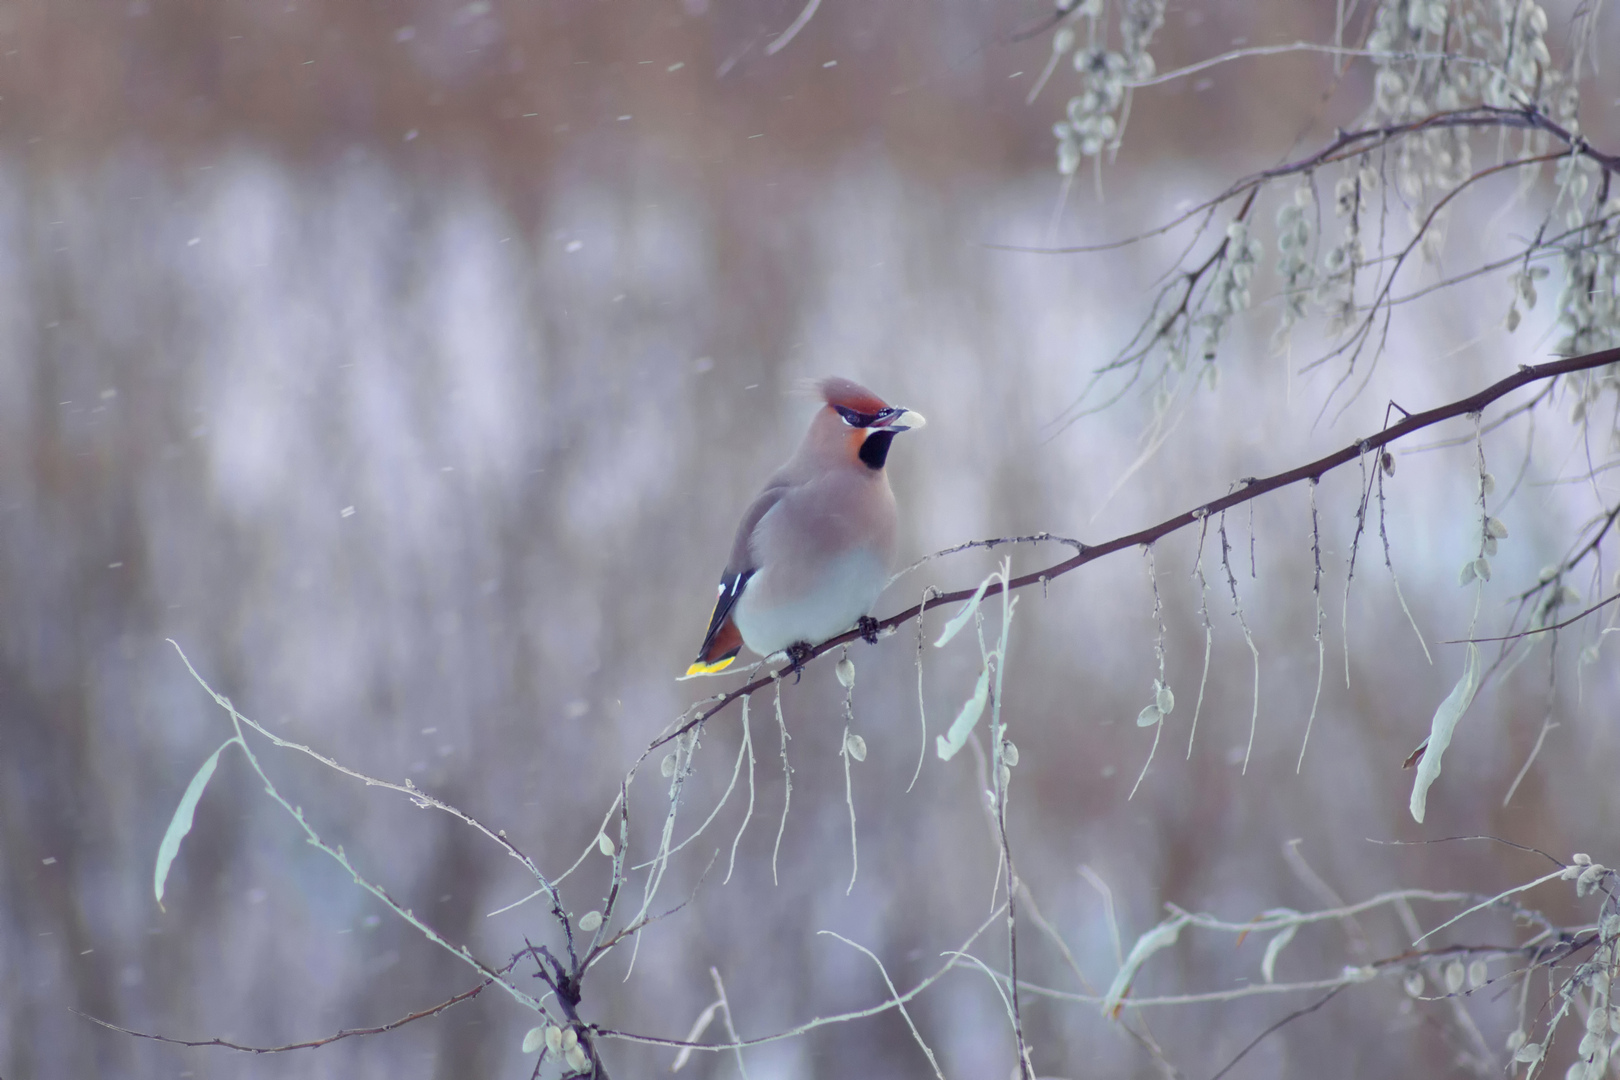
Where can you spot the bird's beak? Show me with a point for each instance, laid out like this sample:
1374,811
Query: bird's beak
906,421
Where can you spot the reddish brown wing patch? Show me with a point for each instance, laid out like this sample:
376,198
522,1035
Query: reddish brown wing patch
850,395
726,641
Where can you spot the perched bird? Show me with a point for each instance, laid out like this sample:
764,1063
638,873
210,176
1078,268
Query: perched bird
813,550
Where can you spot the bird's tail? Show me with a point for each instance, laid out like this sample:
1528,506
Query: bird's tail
719,649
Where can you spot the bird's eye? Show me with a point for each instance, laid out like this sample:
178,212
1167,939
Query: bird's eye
855,419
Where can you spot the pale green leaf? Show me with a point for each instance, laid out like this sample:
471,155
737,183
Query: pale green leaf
1160,937
1268,963
1445,722
960,619
1164,698
954,739
180,824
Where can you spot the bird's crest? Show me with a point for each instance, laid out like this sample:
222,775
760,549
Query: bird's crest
845,394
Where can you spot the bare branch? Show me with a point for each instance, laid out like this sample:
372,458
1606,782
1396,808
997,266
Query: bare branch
346,1033
1605,602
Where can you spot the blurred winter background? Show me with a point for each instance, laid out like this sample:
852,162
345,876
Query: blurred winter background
408,365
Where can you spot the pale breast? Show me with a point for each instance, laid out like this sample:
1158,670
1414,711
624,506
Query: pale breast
823,554
845,589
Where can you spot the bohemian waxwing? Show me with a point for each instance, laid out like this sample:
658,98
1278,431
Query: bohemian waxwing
813,550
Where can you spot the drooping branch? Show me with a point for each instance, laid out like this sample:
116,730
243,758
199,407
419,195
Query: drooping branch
1350,144
1252,489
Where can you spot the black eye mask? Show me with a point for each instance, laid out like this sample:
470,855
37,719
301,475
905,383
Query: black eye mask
860,419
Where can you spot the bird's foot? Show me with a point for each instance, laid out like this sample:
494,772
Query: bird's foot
797,654
868,627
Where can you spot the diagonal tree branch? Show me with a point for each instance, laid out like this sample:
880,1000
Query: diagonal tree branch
1252,489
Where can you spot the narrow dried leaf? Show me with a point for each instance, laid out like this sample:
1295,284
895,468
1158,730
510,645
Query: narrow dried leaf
1279,941
699,1026
180,824
1440,731
1415,756
960,619
1160,937
954,739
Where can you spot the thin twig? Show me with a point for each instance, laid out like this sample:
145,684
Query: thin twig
952,959
346,1033
1606,601
1290,1018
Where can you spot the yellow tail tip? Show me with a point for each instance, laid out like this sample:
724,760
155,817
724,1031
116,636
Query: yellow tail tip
700,668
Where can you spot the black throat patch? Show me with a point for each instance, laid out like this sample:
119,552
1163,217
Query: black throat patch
875,450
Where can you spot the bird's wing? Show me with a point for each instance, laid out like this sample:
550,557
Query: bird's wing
723,642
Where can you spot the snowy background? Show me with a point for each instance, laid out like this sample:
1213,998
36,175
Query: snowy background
409,364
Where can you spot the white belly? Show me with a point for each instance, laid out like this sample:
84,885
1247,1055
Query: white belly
845,589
